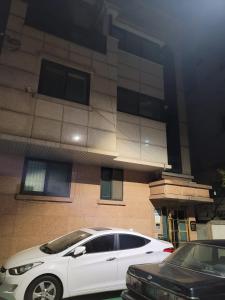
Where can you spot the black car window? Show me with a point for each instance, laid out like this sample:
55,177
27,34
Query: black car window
128,241
101,244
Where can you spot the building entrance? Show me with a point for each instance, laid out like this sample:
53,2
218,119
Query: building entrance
175,225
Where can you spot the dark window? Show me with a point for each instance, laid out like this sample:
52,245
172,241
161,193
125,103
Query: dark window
132,43
127,101
47,178
139,104
111,184
65,83
76,21
4,14
128,241
137,45
101,244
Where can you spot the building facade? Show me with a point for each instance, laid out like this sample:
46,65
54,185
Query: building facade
93,126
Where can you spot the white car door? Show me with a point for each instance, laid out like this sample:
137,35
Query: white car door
96,270
133,250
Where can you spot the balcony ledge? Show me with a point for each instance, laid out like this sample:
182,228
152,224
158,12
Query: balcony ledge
178,189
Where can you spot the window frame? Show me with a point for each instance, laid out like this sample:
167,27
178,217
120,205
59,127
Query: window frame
111,183
45,193
45,63
141,96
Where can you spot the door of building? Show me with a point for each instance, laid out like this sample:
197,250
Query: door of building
175,225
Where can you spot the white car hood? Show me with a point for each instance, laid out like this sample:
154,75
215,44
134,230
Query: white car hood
25,257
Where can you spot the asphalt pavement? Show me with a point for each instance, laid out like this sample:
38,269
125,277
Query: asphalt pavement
102,296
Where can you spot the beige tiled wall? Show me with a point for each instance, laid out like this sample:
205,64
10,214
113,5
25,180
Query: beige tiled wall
27,223
140,75
142,139
54,119
25,113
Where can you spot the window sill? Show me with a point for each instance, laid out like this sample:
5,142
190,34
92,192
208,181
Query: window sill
43,198
112,202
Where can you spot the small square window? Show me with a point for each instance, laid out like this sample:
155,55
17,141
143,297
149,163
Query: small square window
46,178
65,83
111,184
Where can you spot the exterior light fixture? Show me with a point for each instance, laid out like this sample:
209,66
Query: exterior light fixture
76,138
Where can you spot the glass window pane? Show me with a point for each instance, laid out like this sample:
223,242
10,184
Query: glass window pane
203,253
127,101
118,33
151,51
133,44
151,108
117,184
58,179
77,88
52,80
221,254
137,45
106,183
117,190
183,236
128,241
65,241
117,174
35,176
69,20
100,244
61,82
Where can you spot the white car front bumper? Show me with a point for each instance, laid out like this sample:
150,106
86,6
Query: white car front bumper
11,287
7,291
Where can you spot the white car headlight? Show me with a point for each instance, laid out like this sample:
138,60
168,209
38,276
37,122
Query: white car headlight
23,269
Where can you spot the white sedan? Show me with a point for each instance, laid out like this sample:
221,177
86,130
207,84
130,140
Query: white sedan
86,261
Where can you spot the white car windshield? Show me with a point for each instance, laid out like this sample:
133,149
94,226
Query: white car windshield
64,242
199,257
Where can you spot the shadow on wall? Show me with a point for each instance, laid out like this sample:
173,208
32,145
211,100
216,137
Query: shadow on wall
92,175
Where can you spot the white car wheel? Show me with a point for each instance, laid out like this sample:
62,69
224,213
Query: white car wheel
44,288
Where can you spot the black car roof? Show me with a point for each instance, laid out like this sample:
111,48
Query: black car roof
218,243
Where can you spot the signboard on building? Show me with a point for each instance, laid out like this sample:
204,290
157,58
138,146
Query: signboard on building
157,214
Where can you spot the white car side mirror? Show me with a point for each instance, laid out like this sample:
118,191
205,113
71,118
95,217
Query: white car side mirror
79,251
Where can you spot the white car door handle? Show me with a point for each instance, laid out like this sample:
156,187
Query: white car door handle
149,252
111,259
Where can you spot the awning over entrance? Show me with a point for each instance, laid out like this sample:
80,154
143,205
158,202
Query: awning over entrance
179,188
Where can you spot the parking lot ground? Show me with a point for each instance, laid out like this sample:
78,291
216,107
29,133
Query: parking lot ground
101,296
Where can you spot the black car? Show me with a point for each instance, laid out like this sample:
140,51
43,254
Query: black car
194,271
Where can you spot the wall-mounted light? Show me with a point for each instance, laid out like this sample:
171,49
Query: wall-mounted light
76,138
